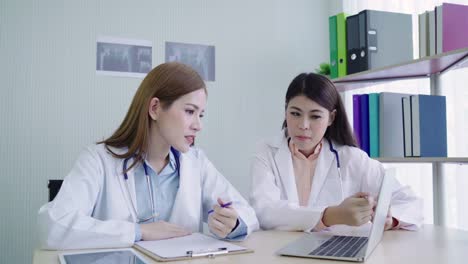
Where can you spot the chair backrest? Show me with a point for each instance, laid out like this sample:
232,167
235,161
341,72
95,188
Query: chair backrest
54,188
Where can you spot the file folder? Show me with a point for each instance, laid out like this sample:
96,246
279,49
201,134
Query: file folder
357,118
341,40
391,125
407,127
365,123
429,125
451,27
377,39
374,151
432,33
333,47
423,22
356,43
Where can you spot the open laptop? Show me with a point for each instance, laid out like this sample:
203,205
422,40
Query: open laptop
348,248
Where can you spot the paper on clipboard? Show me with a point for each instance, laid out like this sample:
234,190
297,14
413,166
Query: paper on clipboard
179,247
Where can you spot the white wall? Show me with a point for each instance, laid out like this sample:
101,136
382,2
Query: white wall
52,104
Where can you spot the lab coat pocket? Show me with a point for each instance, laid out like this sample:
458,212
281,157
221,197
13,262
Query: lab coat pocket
350,188
330,193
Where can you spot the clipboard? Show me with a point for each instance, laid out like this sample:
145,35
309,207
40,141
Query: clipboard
196,245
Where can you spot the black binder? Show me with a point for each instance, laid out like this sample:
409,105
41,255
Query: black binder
356,42
377,39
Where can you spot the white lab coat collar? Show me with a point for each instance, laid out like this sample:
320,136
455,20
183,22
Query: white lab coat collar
283,159
186,210
129,193
324,164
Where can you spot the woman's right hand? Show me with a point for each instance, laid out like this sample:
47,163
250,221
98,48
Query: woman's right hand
355,210
162,230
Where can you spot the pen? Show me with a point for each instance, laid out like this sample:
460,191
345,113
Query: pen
223,206
208,252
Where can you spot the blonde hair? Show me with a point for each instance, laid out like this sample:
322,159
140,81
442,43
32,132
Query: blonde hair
168,82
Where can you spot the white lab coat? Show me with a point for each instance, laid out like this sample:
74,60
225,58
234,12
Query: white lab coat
274,193
93,209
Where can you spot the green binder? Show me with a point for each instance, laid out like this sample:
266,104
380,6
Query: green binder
374,125
333,47
341,43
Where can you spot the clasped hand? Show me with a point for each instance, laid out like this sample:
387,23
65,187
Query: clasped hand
222,220
355,210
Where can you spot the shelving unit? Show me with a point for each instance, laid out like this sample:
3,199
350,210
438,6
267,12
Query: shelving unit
429,67
420,68
423,160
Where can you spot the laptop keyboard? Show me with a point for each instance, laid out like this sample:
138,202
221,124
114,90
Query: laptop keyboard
340,246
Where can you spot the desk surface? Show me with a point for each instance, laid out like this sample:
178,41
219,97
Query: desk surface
431,244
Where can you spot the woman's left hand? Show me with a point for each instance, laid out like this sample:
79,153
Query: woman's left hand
390,221
223,220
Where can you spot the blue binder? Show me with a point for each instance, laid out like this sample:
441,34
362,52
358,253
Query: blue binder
432,134
357,118
365,123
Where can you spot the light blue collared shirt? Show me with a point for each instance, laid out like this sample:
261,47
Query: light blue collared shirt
165,186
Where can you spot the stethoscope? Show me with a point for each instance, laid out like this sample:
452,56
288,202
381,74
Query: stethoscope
148,184
338,166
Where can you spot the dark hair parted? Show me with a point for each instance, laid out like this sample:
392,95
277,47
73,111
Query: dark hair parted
321,90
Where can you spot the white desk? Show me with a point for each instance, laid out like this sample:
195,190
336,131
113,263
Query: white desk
432,244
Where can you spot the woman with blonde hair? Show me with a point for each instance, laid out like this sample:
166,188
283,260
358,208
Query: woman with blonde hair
147,181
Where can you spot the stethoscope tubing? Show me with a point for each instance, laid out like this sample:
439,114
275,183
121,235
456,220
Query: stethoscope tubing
338,166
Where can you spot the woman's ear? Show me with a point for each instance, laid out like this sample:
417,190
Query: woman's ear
154,108
332,117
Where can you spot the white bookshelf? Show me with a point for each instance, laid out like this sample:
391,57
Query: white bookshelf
457,160
420,68
431,67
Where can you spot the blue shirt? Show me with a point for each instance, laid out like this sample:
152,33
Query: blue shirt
165,186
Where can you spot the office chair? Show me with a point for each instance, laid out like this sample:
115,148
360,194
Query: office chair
54,188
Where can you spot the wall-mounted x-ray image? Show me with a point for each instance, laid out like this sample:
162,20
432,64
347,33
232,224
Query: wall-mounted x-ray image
199,57
123,57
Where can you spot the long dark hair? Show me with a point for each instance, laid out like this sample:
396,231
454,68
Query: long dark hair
168,82
321,90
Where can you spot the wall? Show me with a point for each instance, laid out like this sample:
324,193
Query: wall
52,103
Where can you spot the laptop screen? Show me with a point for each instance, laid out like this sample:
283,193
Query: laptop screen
383,203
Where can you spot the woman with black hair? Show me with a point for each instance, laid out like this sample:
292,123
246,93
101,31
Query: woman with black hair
313,176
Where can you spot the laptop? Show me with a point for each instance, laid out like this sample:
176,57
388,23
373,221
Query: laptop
348,248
